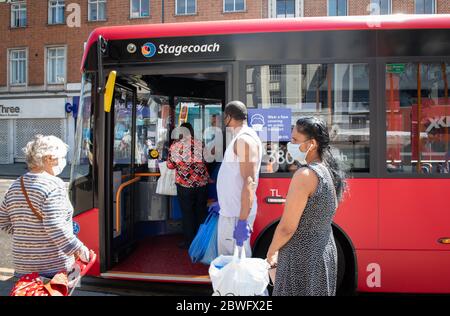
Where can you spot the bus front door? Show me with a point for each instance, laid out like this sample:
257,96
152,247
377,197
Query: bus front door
141,139
122,171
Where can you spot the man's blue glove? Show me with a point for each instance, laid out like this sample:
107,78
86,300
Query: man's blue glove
241,232
214,208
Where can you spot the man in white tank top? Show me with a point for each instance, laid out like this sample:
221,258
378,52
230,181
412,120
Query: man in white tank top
237,182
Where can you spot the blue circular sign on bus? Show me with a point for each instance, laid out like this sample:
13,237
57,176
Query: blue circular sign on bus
76,228
148,49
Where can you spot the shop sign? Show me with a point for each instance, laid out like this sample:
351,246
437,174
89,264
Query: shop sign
32,108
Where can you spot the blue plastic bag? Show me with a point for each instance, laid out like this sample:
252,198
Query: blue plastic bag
212,251
204,246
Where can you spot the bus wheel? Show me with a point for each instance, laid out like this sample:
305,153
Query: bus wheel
346,274
340,264
345,282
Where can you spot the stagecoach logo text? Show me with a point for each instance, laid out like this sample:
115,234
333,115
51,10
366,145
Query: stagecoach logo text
149,49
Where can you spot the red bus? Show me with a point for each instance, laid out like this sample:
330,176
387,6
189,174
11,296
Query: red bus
380,83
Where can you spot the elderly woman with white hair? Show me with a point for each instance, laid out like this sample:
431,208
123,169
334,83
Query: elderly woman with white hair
37,212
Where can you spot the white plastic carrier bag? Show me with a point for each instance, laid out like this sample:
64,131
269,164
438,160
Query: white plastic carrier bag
239,276
166,182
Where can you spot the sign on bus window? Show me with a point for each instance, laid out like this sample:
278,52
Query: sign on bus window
338,93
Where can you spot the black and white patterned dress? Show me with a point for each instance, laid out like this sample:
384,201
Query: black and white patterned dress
307,264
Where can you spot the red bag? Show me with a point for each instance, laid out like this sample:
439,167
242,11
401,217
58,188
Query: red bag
32,285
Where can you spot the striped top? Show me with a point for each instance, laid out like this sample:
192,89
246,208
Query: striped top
46,246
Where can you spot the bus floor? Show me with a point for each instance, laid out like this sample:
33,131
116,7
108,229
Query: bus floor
161,255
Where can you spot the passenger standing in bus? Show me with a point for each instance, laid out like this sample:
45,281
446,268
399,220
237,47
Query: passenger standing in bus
303,246
186,157
213,153
237,181
41,221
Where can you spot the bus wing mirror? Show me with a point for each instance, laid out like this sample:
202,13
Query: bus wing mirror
109,90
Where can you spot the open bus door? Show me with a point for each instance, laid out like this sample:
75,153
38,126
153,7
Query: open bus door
123,109
140,140
143,229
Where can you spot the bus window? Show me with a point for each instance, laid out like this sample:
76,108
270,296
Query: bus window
123,106
205,115
152,127
212,135
417,118
338,93
81,186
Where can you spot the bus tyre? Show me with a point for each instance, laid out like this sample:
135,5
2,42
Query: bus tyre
345,271
340,265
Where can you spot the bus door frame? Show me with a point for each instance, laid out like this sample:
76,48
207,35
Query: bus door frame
129,239
105,180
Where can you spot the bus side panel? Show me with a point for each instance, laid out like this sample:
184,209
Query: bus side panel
269,213
414,213
357,215
403,271
89,234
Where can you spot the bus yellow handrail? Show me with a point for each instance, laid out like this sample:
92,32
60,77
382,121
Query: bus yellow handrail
147,174
143,174
120,189
109,91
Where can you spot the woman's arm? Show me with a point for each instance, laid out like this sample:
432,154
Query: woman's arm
303,184
56,223
5,221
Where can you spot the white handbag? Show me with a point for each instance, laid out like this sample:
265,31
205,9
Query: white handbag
166,182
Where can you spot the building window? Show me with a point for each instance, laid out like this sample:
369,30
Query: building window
275,73
233,5
417,118
140,8
380,7
337,93
285,8
337,7
56,12
18,14
18,66
185,7
56,65
425,6
275,98
97,10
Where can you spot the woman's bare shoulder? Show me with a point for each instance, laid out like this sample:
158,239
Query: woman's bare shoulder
304,177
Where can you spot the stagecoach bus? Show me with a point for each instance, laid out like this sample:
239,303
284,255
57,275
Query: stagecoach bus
380,82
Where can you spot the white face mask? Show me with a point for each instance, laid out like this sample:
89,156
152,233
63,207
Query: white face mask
59,167
296,153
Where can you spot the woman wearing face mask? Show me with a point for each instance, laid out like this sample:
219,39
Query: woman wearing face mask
303,247
42,230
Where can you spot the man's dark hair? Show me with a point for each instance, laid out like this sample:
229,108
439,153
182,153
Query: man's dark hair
236,110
